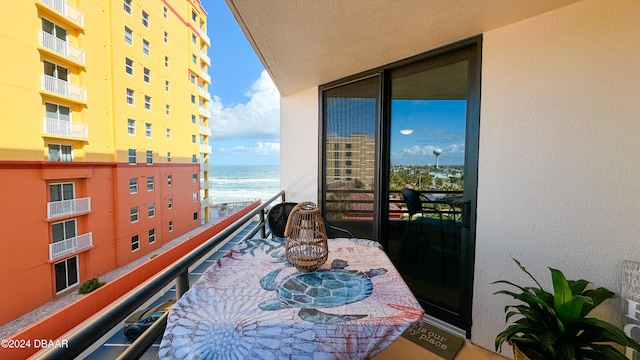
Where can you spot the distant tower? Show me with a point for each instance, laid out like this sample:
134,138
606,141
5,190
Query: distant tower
437,153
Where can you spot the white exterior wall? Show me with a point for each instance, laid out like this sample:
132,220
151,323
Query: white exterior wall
559,162
299,146
559,166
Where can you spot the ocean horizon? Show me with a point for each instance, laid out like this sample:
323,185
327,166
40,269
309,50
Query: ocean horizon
239,183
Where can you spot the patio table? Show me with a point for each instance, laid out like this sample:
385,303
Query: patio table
251,304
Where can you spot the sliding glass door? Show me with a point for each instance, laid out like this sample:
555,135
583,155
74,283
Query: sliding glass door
399,166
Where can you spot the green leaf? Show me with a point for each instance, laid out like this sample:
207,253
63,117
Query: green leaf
561,291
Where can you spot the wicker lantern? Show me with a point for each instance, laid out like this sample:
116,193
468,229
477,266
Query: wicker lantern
306,237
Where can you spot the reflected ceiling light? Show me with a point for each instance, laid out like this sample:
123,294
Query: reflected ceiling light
406,131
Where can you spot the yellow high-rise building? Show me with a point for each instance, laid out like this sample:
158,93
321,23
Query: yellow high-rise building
105,139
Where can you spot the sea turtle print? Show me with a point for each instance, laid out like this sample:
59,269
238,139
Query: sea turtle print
322,288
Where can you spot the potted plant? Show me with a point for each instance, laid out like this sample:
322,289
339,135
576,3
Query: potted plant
555,325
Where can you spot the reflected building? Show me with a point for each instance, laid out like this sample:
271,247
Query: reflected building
352,164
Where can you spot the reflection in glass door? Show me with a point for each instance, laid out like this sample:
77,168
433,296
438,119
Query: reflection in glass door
427,239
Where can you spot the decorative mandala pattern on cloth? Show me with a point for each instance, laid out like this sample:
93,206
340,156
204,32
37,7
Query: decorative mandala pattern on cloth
234,311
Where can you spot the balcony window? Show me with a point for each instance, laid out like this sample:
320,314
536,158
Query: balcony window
128,36
63,230
53,29
133,185
66,273
62,192
151,210
150,158
150,184
58,152
131,127
128,66
132,157
135,243
147,76
152,236
134,214
56,71
146,47
145,19
127,6
147,105
131,97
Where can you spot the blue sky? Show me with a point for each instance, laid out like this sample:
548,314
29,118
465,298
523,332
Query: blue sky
246,104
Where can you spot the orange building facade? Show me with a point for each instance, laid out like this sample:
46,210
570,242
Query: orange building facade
107,154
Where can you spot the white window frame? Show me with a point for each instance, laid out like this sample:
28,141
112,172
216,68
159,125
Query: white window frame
166,37
65,152
127,7
148,130
170,203
166,61
147,102
167,109
145,19
62,187
66,266
168,156
133,156
131,97
193,118
128,66
65,224
169,180
146,47
146,75
151,210
131,126
150,183
152,236
150,158
128,36
170,226
194,177
133,185
168,134
166,85
57,114
194,197
134,214
166,12
135,243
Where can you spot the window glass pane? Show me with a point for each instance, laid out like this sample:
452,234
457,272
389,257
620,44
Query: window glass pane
62,73
54,152
55,192
67,191
72,271
49,68
61,276
57,232
69,229
47,26
64,113
350,118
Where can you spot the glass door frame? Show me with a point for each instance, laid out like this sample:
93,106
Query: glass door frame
468,49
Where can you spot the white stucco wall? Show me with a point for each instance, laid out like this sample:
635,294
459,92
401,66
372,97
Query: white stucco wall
299,146
559,163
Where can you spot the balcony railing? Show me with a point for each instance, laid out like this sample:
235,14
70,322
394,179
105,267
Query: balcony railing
85,336
68,207
205,94
205,130
205,58
61,47
66,11
205,76
205,149
69,246
206,202
205,112
206,184
64,88
55,127
205,37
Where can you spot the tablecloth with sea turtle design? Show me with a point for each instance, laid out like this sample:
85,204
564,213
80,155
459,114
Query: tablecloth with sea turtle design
251,304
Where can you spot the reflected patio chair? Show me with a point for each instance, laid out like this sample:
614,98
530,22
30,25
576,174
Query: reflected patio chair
279,214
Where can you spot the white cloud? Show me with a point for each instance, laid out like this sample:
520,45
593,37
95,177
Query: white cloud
260,149
422,151
259,118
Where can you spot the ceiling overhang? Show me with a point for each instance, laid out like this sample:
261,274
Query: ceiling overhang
306,43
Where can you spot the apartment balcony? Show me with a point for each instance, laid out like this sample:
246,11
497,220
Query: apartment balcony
206,184
205,149
205,76
68,207
63,88
204,112
206,202
61,48
69,246
205,130
205,37
65,11
204,94
205,58
64,129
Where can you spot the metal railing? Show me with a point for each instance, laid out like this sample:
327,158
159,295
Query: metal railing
69,246
65,128
85,335
68,207
61,47
64,88
67,11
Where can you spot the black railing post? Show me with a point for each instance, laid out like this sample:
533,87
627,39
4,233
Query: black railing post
263,228
182,283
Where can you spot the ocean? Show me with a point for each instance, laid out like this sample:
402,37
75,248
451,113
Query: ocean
239,183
